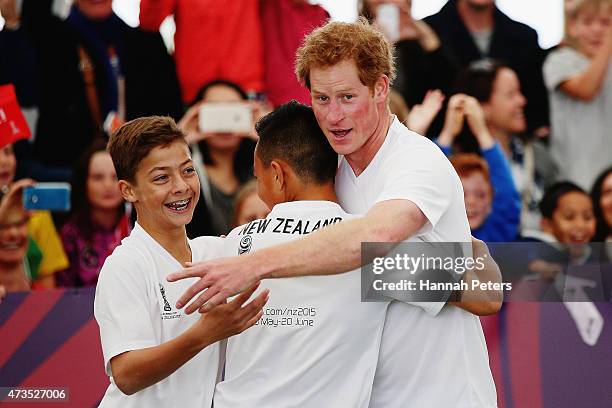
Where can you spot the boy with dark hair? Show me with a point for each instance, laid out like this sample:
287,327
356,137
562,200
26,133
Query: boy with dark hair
315,328
154,354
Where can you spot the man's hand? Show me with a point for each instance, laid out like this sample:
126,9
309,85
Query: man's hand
481,302
2,293
220,278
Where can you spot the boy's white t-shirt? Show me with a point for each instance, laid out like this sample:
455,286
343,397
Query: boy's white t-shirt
580,130
431,355
317,343
135,309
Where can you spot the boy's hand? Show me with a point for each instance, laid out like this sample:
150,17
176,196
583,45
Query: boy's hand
222,278
233,318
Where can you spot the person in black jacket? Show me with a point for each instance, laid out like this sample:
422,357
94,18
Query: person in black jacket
476,29
129,73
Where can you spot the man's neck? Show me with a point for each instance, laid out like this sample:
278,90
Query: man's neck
13,277
174,240
360,159
476,18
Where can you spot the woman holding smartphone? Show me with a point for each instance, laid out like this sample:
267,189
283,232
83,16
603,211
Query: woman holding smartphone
222,141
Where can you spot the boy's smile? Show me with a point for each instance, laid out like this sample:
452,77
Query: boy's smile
166,187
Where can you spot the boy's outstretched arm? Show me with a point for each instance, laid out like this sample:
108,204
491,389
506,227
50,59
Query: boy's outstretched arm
136,370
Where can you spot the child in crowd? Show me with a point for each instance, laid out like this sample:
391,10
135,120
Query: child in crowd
492,211
98,222
248,205
578,76
155,354
45,255
567,216
13,241
568,223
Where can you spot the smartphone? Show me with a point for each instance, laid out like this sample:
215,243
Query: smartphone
387,17
47,196
225,118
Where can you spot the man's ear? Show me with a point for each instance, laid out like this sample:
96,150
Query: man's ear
127,191
381,89
279,175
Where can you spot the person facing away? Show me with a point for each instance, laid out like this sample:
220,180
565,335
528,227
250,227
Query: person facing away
315,328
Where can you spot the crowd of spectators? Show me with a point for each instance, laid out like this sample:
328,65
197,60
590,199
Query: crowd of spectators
519,123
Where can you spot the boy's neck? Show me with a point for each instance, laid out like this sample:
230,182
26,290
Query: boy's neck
313,192
173,240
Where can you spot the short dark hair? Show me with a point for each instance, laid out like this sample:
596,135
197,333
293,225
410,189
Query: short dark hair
553,194
291,133
133,141
478,78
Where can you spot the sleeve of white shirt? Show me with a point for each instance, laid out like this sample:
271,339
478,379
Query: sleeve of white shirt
121,308
422,175
561,65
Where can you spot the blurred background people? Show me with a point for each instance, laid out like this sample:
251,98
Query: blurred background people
213,39
223,160
248,205
491,199
14,276
601,194
474,29
98,219
45,253
285,23
579,80
92,72
498,89
422,60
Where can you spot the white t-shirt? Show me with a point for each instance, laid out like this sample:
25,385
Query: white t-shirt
426,360
317,343
580,130
135,309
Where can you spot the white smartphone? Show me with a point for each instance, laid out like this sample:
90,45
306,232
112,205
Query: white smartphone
225,118
387,17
